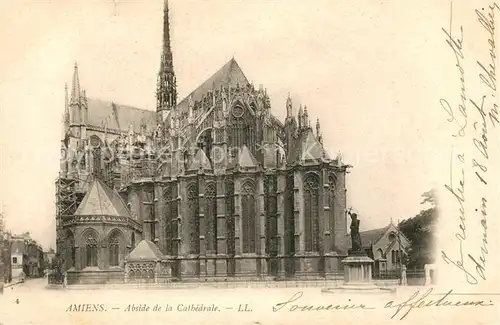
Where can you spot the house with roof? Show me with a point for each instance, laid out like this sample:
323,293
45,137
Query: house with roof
387,246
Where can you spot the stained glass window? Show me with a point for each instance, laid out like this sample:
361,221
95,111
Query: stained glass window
230,226
331,204
211,218
194,227
91,250
248,211
114,250
311,211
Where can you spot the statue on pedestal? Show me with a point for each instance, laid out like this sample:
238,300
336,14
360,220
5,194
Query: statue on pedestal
355,236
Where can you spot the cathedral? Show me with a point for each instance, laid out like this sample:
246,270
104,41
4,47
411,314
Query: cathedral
211,188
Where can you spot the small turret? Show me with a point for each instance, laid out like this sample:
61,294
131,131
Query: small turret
318,132
66,118
289,106
305,123
300,117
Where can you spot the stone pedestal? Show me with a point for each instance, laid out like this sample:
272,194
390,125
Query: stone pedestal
358,275
357,269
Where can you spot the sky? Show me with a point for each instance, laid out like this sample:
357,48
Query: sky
369,70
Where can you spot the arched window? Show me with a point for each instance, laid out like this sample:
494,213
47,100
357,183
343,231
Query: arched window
238,126
114,250
211,218
174,220
206,142
168,220
70,249
331,204
380,254
194,221
311,212
91,249
248,211
230,226
132,240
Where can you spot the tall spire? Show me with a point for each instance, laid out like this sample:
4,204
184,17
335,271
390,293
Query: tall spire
166,92
289,106
300,118
75,87
66,108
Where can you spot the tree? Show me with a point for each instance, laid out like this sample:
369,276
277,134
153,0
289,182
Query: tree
420,231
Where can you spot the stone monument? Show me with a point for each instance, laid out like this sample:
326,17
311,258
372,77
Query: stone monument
357,264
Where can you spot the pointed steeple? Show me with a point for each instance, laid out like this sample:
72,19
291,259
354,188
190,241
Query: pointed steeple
75,87
305,123
300,117
289,106
166,92
318,132
66,109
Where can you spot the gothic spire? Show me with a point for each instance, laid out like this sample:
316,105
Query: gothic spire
289,106
167,51
66,108
166,88
75,87
300,118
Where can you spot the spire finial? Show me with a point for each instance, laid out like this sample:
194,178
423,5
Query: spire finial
75,87
289,106
166,96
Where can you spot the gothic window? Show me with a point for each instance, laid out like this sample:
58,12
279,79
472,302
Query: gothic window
331,204
311,213
114,250
174,221
230,226
289,216
238,127
211,218
194,227
91,249
206,142
168,220
248,211
270,207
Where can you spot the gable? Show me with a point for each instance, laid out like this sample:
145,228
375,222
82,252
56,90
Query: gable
229,75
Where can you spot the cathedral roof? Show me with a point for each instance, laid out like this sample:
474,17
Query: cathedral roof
145,251
229,75
103,201
200,160
119,117
307,148
246,159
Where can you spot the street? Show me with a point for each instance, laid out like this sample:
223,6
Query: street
31,302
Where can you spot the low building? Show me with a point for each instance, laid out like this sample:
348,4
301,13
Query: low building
26,256
388,247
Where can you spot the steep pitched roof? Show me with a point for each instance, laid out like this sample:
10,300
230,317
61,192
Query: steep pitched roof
230,74
311,148
200,160
117,116
371,237
307,147
102,200
145,251
246,159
